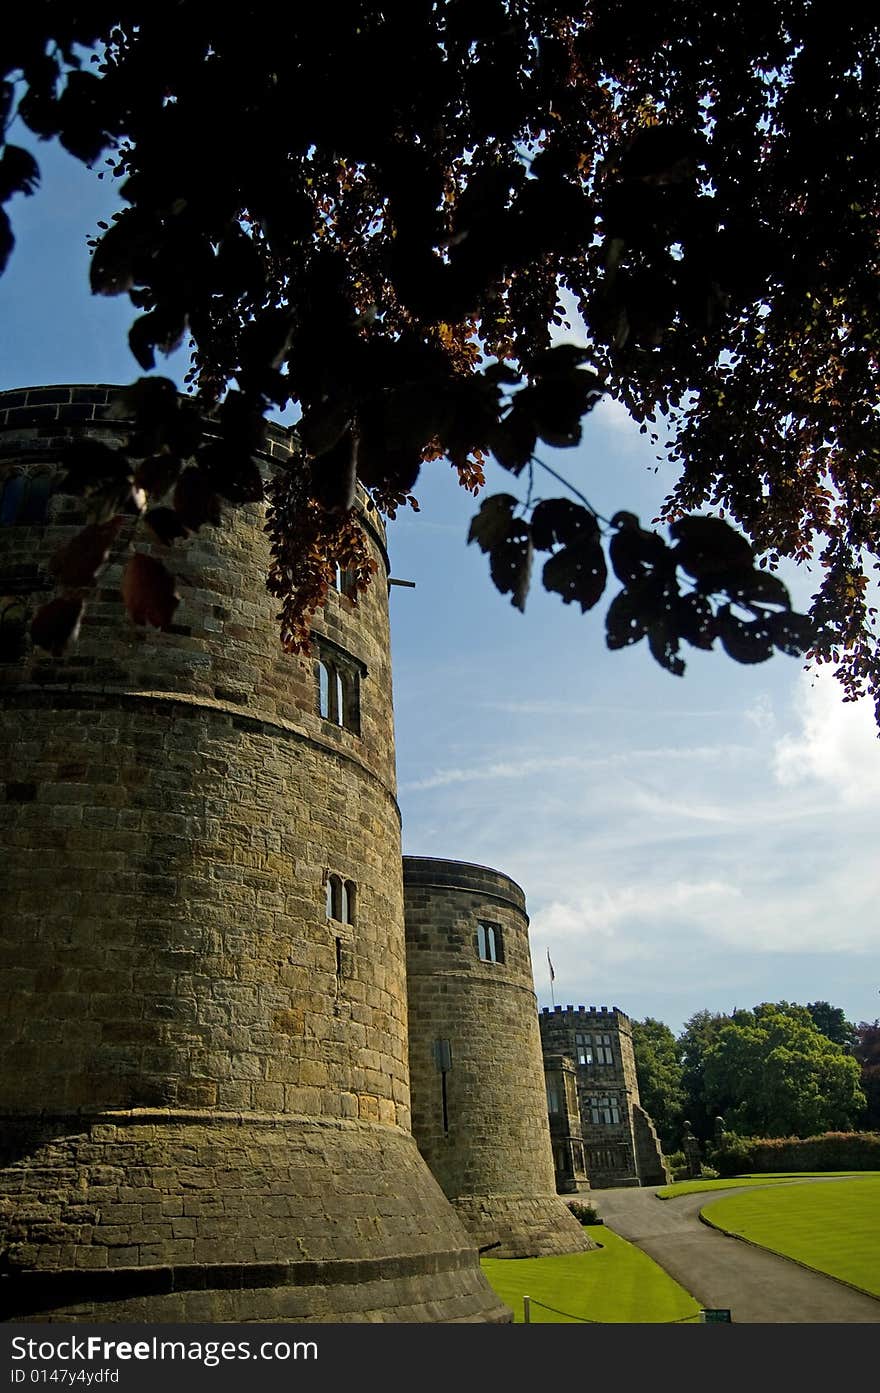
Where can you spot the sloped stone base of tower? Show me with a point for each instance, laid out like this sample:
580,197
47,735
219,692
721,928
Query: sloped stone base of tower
164,1216
522,1226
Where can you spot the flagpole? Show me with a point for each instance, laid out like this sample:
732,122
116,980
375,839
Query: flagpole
552,979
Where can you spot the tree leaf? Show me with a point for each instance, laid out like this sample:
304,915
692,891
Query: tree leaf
195,501
512,441
148,591
759,588
625,622
142,342
166,525
695,621
635,552
493,521
231,473
792,633
322,426
7,239
125,244
157,473
746,641
19,172
510,563
334,475
709,546
578,572
77,562
557,402
663,643
90,464
56,624
560,521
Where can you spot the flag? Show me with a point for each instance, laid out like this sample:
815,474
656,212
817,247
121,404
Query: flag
550,965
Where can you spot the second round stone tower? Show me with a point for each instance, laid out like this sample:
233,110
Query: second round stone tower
479,1107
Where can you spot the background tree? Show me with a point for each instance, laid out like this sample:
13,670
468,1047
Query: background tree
866,1050
659,1074
832,1022
772,1073
376,215
699,1033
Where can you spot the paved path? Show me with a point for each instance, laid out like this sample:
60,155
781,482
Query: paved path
756,1286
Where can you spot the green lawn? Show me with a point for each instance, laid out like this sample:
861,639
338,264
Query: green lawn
832,1228
616,1283
695,1187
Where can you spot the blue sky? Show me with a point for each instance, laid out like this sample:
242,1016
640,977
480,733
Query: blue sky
705,841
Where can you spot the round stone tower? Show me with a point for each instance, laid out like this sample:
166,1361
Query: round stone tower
479,1097
203,1059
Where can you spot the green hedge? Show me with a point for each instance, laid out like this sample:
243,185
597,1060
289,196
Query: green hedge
833,1151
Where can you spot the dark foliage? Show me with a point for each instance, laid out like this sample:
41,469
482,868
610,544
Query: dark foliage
384,240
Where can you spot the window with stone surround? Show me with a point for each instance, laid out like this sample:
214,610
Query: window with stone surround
24,498
604,1111
341,896
490,945
604,1053
343,580
583,1047
338,688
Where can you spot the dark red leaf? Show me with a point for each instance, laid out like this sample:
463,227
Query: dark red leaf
56,624
148,591
77,563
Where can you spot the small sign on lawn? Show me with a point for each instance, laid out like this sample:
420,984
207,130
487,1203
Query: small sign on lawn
715,1316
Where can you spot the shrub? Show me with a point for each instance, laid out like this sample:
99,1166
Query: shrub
833,1151
678,1166
584,1213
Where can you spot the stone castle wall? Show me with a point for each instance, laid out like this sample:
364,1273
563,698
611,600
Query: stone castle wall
479,1099
219,1063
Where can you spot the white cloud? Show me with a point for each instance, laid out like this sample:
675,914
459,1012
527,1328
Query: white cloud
607,907
614,415
836,746
542,765
761,714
